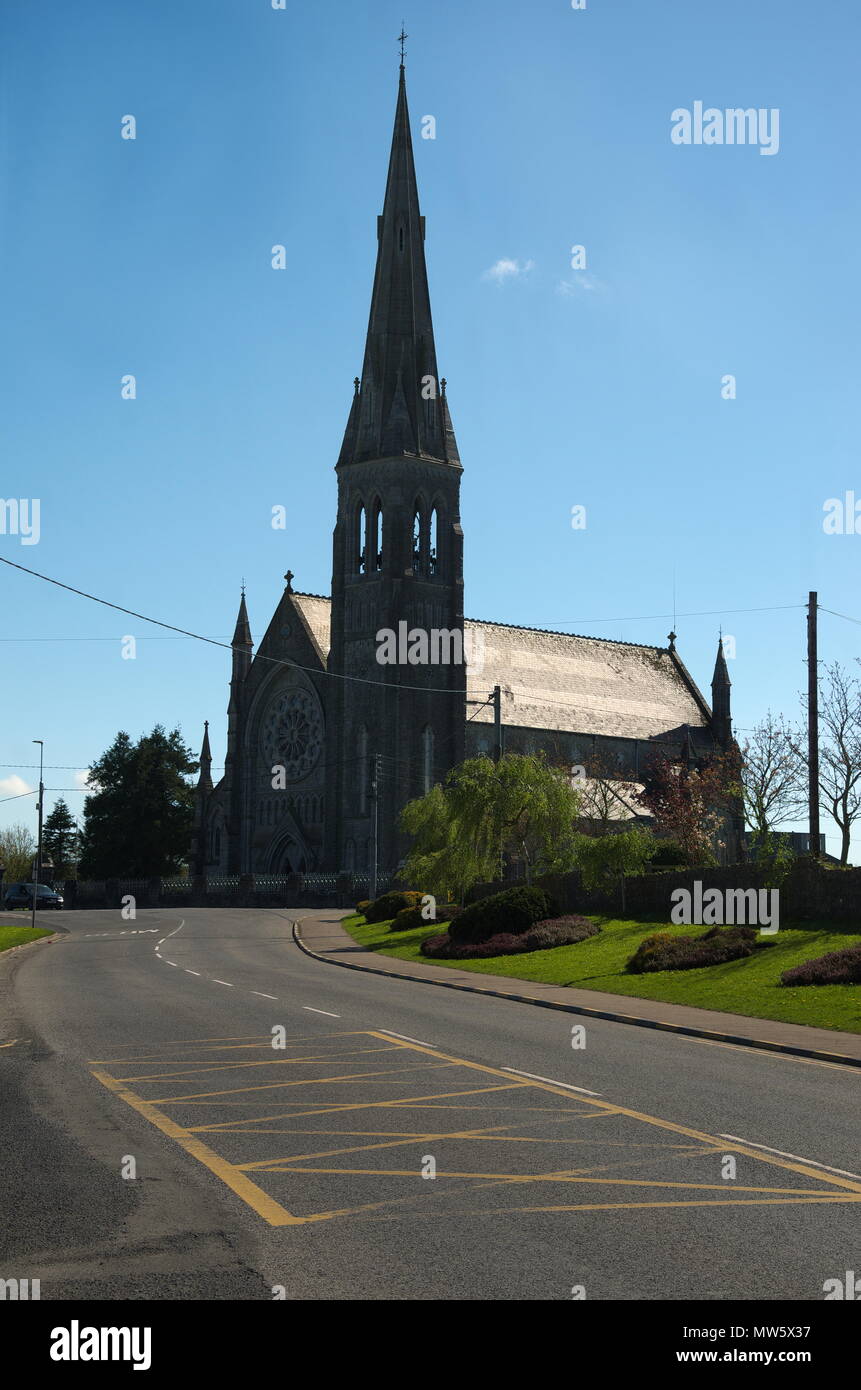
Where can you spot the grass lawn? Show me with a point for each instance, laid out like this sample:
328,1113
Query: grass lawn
751,986
16,936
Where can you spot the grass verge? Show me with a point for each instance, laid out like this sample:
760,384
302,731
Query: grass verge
17,936
750,986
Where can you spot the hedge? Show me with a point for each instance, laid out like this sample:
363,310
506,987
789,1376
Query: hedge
508,913
542,936
664,952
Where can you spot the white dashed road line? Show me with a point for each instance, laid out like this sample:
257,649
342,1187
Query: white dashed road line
265,996
781,1153
551,1082
191,972
222,982
403,1037
308,1008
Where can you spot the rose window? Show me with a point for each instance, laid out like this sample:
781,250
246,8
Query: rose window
293,733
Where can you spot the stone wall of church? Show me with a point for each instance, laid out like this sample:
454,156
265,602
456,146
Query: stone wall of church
629,758
284,770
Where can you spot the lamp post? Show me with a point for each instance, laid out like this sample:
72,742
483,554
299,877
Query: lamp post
39,846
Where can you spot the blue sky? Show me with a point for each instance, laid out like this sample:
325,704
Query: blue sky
258,127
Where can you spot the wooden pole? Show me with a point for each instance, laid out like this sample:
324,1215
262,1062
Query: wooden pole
813,724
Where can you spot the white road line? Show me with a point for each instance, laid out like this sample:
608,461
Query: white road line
403,1037
781,1153
171,962
191,972
320,1011
265,996
551,1082
222,982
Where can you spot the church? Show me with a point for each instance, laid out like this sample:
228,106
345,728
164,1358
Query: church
326,741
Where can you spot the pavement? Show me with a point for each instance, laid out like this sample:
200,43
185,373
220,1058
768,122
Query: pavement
324,936
194,1108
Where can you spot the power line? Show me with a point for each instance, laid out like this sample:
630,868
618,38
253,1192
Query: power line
655,617
211,641
55,767
94,639
840,615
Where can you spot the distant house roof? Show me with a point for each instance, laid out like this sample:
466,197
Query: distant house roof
558,680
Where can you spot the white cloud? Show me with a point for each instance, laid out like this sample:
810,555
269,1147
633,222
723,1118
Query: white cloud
14,786
576,284
507,269
81,779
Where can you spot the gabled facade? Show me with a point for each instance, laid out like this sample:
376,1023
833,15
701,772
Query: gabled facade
316,723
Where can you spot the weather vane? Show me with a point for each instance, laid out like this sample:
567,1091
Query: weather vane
402,38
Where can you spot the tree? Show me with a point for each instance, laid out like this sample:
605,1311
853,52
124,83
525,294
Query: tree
772,777
138,822
694,804
606,798
17,848
839,750
602,859
60,840
519,808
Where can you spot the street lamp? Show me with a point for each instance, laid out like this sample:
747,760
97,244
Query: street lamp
39,848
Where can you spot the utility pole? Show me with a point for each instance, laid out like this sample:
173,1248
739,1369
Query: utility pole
39,843
375,824
496,699
813,724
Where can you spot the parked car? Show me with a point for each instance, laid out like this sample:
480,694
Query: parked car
21,895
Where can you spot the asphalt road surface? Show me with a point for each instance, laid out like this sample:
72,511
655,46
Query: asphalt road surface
157,1140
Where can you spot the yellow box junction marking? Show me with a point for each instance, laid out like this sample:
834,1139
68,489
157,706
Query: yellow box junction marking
235,1175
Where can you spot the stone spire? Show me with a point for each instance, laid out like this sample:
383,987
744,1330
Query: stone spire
399,407
721,709
242,634
204,781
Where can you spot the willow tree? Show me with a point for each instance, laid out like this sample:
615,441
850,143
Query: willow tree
518,809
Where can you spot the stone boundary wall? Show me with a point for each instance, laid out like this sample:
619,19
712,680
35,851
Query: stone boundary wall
246,890
808,892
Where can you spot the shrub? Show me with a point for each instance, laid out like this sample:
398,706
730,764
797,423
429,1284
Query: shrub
835,968
363,906
543,936
668,854
664,952
410,917
390,904
512,911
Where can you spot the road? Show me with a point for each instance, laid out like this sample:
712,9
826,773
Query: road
405,1141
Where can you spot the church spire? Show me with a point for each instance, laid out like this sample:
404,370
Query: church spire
204,781
400,408
721,709
242,634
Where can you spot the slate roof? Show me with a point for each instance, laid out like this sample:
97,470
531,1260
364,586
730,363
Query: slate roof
558,680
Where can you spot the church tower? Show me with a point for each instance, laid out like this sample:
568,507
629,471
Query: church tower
397,565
